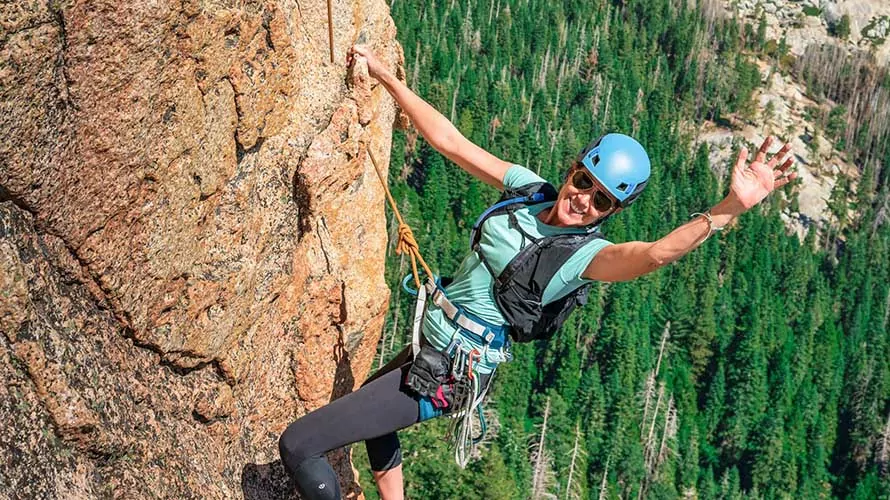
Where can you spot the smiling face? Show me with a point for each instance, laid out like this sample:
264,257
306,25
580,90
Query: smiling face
581,206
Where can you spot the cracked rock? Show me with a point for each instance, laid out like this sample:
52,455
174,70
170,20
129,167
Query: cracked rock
169,304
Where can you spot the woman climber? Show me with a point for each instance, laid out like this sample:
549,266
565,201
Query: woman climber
534,254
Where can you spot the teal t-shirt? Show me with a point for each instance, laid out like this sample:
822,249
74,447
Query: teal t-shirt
472,285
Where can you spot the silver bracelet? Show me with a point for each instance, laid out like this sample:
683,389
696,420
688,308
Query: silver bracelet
711,228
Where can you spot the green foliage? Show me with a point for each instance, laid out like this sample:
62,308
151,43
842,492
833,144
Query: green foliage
870,31
769,111
811,10
776,361
761,31
841,28
837,125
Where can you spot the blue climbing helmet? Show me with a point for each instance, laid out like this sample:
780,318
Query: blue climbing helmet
619,163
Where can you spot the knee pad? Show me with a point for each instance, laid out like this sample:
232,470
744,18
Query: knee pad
316,480
291,449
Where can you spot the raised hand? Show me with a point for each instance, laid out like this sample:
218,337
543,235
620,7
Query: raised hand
376,68
752,183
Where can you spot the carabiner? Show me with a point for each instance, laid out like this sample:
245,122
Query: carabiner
406,287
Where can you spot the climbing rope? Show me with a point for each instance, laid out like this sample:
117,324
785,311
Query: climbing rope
407,243
462,428
330,30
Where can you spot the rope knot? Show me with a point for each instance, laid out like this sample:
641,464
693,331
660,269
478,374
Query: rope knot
407,243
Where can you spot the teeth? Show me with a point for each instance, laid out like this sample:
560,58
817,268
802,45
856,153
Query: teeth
575,208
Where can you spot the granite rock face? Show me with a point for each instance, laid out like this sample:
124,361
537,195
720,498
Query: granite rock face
191,238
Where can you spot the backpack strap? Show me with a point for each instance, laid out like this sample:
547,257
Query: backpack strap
510,201
528,194
525,195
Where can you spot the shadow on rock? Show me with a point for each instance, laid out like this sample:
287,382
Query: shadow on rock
341,459
267,482
344,381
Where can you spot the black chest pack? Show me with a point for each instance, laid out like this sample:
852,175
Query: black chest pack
519,288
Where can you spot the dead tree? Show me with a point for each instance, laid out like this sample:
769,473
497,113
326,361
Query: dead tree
668,433
395,318
541,81
542,477
656,449
649,390
559,76
576,450
638,110
603,489
883,457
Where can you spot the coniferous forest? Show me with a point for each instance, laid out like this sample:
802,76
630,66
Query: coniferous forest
758,366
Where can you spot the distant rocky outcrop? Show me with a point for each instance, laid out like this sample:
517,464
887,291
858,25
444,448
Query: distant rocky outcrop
806,22
785,104
191,238
782,105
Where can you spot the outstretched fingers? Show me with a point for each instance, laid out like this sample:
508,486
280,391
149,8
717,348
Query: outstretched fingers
780,156
764,148
779,172
781,181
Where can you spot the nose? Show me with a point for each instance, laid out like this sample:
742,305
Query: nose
585,198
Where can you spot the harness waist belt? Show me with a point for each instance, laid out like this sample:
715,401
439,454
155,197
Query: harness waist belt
486,333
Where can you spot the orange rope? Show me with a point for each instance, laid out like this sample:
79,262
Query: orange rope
407,242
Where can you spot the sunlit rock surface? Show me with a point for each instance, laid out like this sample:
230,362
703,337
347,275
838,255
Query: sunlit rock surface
191,238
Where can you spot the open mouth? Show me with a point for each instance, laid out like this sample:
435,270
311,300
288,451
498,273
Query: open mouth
575,208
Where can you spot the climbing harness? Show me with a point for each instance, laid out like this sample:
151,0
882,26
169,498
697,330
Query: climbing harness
459,388
447,380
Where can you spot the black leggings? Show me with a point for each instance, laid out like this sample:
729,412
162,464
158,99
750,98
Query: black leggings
373,413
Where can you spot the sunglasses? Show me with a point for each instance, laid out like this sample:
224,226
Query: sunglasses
583,181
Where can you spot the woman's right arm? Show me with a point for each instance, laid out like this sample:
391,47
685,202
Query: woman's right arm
435,128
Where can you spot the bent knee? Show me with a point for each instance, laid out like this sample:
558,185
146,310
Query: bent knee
293,445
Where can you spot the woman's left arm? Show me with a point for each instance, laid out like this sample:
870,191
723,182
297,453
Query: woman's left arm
750,185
